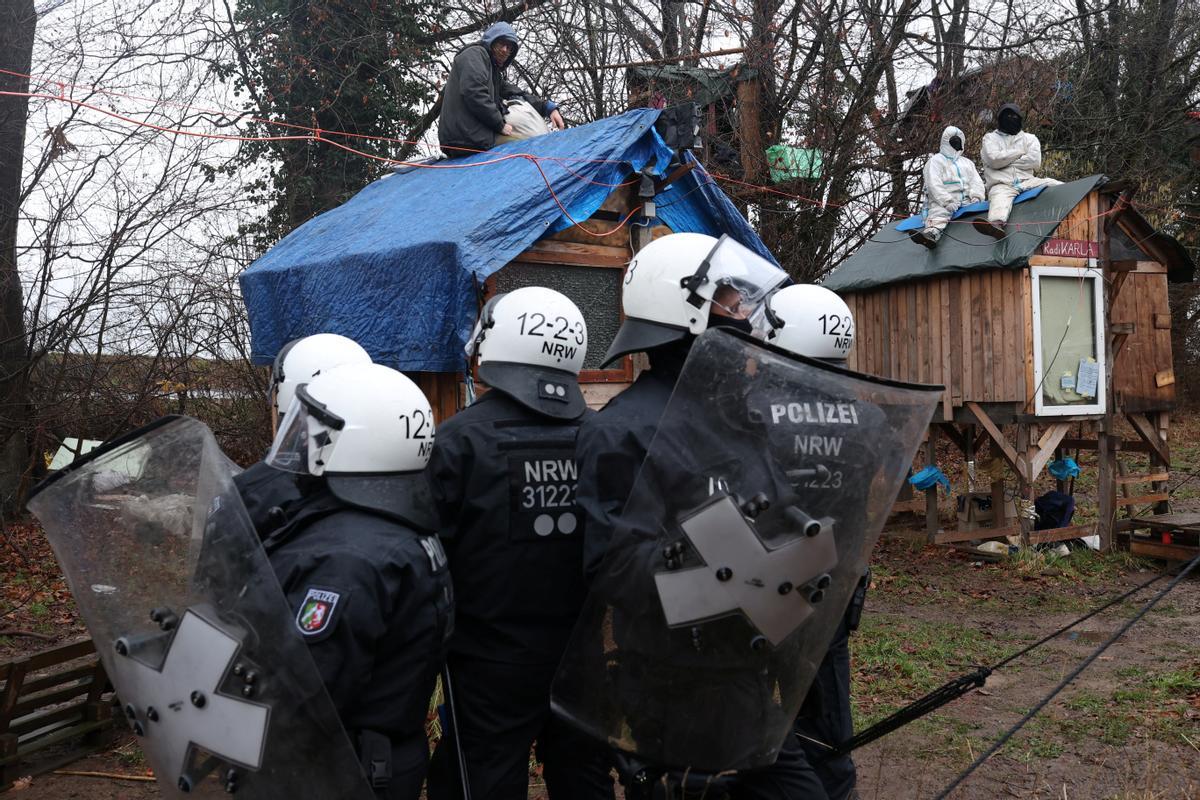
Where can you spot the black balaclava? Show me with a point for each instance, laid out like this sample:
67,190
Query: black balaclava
1009,119
720,321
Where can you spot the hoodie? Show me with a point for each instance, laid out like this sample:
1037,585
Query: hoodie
473,100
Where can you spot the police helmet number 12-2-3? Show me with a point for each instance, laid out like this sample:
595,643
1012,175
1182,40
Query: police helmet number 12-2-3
810,321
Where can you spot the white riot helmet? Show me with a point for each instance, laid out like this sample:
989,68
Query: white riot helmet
809,320
671,284
531,344
368,430
302,359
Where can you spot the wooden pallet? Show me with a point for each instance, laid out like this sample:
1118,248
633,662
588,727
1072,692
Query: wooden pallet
1173,537
50,698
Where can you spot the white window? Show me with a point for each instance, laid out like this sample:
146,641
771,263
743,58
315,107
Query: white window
1069,370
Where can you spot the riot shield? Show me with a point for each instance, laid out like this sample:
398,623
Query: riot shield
751,521
190,621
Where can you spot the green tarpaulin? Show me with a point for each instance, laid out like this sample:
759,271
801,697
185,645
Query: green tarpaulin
891,257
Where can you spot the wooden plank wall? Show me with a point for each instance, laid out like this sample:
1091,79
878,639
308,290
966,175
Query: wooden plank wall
1147,351
970,332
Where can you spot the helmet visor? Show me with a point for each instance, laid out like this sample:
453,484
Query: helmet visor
308,429
742,279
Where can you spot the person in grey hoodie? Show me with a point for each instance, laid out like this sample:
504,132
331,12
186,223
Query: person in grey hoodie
473,100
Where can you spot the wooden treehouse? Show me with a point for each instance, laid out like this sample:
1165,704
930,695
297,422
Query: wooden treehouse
1043,340
404,266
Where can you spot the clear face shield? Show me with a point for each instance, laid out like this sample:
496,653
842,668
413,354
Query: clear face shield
307,432
741,278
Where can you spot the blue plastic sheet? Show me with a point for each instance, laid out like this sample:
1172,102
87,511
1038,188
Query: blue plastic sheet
918,220
396,267
929,478
1063,468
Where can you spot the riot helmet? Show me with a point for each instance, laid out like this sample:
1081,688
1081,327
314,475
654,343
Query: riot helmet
673,283
531,343
368,431
302,359
809,320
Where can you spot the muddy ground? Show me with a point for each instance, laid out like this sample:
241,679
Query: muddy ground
1128,728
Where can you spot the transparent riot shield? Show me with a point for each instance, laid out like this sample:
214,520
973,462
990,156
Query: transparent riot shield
751,521
190,621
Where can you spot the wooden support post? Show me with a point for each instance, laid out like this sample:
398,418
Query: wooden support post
1059,484
969,456
997,436
97,709
1158,465
8,703
1106,483
931,494
999,517
1026,452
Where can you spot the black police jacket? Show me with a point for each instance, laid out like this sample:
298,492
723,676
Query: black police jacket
266,493
372,599
504,481
613,444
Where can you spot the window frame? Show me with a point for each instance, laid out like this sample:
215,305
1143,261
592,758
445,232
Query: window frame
1096,275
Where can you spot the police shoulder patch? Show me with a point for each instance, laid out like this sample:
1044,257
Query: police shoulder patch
316,612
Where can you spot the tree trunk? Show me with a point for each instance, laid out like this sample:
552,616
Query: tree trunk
17,22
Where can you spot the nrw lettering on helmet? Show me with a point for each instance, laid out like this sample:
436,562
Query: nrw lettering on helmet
418,427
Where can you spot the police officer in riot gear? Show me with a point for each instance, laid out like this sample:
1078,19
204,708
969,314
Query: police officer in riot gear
266,492
675,288
356,557
504,478
813,321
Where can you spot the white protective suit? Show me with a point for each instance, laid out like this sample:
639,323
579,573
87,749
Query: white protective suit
951,181
1009,161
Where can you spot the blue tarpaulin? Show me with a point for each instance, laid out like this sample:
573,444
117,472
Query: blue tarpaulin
396,267
918,220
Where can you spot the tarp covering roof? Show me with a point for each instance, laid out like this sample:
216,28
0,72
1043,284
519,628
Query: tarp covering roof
891,257
396,267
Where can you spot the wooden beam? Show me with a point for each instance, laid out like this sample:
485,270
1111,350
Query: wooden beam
550,251
997,437
1117,282
1150,478
1162,322
1123,265
1148,433
1144,499
1118,209
1118,444
1106,484
931,494
1167,552
1118,344
960,535
676,174
952,433
1046,447
1062,534
1164,378
1123,328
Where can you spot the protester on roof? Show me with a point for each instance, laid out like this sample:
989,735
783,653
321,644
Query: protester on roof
479,104
1010,156
951,181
